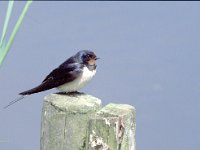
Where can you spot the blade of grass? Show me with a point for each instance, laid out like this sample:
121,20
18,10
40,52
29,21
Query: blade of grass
13,34
7,18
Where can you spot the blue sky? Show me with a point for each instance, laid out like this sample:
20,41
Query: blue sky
149,59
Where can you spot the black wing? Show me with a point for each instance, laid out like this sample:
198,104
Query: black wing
62,74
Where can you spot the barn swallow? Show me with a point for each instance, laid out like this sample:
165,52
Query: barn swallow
69,77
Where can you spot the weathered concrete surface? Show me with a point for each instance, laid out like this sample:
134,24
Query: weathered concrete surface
113,128
65,121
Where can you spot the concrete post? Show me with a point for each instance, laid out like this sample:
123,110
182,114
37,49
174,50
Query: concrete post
65,119
78,123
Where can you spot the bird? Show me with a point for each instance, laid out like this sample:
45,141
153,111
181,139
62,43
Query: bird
72,75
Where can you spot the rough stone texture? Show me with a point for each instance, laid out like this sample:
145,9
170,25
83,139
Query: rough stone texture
113,128
65,121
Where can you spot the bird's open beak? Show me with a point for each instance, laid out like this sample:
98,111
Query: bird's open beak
97,58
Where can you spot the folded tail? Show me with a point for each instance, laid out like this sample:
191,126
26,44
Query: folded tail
14,101
42,87
34,90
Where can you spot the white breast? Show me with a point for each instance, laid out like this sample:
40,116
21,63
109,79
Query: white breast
78,83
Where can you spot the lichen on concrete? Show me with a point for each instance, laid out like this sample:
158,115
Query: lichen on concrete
97,142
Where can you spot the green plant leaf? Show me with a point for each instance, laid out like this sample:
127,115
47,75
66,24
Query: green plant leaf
7,18
4,51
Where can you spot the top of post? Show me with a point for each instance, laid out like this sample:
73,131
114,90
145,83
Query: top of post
81,103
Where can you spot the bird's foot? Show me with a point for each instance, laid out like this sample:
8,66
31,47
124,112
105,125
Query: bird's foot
75,93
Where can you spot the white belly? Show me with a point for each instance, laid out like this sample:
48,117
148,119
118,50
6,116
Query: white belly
78,83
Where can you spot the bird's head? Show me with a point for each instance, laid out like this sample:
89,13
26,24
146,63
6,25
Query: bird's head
87,57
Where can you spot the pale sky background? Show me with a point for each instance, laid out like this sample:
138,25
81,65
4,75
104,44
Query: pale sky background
149,54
